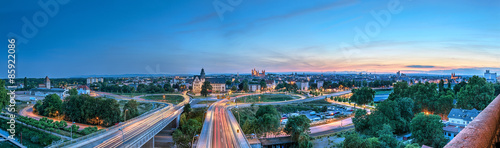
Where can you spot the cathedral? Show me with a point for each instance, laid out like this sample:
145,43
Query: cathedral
256,73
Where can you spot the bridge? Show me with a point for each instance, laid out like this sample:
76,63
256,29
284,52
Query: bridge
133,133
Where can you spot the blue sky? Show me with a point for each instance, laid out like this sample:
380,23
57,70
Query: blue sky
174,36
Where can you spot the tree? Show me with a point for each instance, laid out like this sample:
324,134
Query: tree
459,86
444,103
73,92
476,94
497,89
296,126
52,106
400,91
186,132
205,88
131,106
441,85
355,141
362,96
187,108
228,82
428,130
245,87
4,98
263,84
305,141
267,118
386,137
234,88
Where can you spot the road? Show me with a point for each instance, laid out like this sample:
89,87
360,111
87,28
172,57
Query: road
222,133
28,112
130,133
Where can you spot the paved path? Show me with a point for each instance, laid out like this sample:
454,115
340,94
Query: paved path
28,112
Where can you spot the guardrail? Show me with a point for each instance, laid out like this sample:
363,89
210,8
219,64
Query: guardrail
112,128
206,129
151,132
483,131
242,139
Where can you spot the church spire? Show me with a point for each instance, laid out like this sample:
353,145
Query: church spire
202,74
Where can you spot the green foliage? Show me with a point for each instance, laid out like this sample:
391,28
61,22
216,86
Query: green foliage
397,114
51,106
304,141
190,125
428,130
476,94
459,86
205,88
268,123
234,88
87,109
354,140
497,89
131,106
425,96
263,84
4,98
31,134
296,126
363,95
386,137
187,108
73,92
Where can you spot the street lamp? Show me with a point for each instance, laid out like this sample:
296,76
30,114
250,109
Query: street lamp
125,114
192,142
72,130
123,139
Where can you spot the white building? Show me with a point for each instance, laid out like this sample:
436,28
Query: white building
83,89
254,87
304,86
458,119
490,77
218,84
94,80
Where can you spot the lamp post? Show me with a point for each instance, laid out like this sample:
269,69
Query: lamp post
72,130
125,114
123,139
192,142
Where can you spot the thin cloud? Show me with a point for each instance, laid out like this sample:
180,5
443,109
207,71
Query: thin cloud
420,66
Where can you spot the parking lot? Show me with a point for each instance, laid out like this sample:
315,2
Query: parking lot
333,111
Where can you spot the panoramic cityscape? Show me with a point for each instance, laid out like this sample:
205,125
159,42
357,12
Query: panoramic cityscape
250,74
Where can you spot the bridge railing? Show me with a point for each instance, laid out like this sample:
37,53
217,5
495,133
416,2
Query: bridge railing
483,131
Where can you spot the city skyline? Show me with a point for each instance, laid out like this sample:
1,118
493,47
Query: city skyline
181,37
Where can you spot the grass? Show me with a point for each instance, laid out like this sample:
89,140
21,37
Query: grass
135,94
265,98
7,144
318,102
174,99
206,102
384,92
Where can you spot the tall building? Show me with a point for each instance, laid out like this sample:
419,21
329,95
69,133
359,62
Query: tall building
255,73
218,84
47,82
94,80
490,77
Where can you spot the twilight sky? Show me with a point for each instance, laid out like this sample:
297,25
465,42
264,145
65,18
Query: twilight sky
182,36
